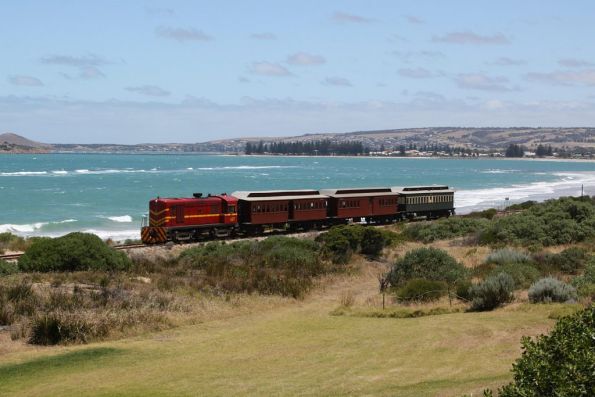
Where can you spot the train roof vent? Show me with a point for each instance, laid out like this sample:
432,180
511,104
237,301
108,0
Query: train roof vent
364,190
426,188
278,193
197,195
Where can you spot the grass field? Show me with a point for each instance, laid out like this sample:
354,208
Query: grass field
291,348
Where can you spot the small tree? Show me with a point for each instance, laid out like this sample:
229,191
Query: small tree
372,242
559,364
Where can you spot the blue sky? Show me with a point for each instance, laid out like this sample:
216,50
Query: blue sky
191,71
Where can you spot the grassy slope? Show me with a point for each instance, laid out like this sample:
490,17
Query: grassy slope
294,349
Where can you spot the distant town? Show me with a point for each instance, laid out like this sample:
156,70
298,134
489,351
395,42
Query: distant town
575,143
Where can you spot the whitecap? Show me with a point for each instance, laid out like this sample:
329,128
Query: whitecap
23,173
60,172
26,228
119,219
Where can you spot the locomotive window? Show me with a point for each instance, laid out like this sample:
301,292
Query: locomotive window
231,209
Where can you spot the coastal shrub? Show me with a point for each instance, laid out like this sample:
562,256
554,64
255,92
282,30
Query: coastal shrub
521,206
463,290
523,273
372,242
276,265
72,252
585,283
340,242
558,364
561,221
12,242
421,290
426,232
569,261
507,255
487,214
7,268
426,263
549,289
61,327
493,292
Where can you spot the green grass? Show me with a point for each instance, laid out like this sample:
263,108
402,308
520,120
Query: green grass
298,349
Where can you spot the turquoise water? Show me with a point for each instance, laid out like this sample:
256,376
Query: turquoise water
107,194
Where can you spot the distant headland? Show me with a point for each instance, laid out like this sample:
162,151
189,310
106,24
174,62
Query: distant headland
568,142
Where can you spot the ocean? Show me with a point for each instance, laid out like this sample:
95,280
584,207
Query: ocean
107,194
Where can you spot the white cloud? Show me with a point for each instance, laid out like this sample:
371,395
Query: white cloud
350,18
480,81
575,63
26,81
87,65
182,34
263,36
416,73
414,20
337,81
149,90
305,59
268,69
471,38
580,77
505,61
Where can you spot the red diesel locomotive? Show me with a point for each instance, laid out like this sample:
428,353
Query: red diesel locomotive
251,213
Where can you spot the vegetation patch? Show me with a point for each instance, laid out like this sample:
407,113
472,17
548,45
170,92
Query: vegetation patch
426,263
491,293
558,364
72,252
421,290
276,265
341,242
426,232
394,312
550,289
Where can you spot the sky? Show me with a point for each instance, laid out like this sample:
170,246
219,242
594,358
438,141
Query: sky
191,71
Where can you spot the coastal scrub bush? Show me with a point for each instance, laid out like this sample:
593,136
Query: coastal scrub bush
372,242
490,213
426,263
585,283
523,274
7,268
569,261
492,292
426,232
549,289
507,255
421,290
340,242
276,265
558,364
12,242
72,252
561,221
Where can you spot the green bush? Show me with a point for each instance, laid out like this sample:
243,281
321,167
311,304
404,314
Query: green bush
59,327
463,290
523,274
558,364
7,268
562,221
569,261
12,242
276,265
492,293
73,252
340,242
585,283
421,290
426,232
550,289
427,263
487,214
372,242
507,255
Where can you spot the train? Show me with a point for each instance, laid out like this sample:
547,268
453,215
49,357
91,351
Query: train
250,213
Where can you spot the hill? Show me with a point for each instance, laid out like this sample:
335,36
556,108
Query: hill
14,143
